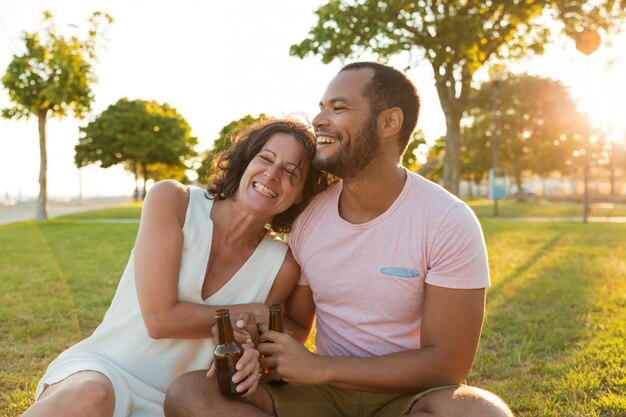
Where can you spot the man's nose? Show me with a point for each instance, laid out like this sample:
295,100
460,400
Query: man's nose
320,119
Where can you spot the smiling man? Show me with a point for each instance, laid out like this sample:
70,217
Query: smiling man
394,270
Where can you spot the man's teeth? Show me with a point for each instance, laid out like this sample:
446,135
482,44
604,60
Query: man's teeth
264,190
325,140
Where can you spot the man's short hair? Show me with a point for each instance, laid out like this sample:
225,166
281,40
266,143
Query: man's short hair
391,88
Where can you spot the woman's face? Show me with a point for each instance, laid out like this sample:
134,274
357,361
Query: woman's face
275,177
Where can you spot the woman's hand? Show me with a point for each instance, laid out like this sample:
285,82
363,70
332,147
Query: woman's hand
247,376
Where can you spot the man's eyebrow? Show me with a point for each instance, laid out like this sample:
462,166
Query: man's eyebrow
335,100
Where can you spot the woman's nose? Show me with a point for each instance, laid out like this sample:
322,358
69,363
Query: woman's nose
271,173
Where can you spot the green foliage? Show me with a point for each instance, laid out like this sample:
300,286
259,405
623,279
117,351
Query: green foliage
409,158
152,140
433,167
223,142
456,38
53,76
54,73
535,117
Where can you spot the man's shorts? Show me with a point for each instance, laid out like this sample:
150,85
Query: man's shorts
326,401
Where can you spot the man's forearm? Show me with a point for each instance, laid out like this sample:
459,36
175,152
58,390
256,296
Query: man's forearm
298,332
407,371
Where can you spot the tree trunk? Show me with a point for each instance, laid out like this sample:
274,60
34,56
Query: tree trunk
453,104
144,170
612,178
517,173
136,172
42,200
452,155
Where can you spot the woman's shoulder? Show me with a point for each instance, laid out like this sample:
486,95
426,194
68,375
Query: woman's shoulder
168,196
170,188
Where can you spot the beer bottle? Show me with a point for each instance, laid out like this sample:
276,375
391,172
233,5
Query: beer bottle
276,324
226,354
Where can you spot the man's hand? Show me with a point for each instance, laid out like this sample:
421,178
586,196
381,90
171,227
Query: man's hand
289,360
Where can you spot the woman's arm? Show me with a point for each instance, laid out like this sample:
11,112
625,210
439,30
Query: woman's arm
158,252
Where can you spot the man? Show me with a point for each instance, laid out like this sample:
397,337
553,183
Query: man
394,269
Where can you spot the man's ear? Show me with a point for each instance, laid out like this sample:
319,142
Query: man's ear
390,122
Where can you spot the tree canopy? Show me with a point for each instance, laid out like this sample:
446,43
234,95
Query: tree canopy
146,136
456,38
410,157
223,142
539,127
53,76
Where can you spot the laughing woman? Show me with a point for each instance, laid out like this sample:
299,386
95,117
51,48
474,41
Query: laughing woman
196,251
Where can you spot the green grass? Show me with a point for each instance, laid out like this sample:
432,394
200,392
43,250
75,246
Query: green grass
126,211
532,208
56,281
554,338
553,342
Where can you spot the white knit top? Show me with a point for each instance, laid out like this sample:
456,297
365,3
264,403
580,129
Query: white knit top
121,343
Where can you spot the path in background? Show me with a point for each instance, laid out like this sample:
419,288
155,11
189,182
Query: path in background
57,207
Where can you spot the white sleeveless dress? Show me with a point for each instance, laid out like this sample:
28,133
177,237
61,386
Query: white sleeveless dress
141,368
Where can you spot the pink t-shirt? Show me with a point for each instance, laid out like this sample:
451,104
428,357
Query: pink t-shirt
368,279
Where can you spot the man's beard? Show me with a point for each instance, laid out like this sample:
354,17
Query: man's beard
354,156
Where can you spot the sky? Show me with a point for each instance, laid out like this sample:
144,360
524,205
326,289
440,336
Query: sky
218,61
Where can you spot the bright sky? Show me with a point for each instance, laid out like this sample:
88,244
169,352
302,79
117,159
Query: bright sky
216,62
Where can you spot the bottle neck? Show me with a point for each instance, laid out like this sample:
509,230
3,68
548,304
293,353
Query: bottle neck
225,329
276,319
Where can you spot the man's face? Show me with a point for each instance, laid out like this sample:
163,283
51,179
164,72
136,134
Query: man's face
345,128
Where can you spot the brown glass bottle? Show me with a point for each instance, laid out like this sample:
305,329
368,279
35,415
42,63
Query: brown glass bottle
226,354
276,324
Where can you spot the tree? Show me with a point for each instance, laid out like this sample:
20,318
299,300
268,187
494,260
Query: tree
608,155
53,77
476,159
409,159
538,125
143,135
433,168
456,38
223,142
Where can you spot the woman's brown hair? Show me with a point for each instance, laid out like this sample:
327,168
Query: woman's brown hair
229,166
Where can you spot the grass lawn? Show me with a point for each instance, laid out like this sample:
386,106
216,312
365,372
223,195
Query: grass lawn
125,211
538,208
554,341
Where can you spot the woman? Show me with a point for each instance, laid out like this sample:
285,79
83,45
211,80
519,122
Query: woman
196,251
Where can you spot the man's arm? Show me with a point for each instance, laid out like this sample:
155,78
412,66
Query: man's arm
451,327
300,313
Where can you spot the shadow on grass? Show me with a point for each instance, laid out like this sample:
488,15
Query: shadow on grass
92,257
534,317
519,272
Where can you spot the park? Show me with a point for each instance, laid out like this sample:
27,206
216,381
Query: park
541,165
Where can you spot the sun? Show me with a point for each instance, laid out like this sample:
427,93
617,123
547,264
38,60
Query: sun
606,94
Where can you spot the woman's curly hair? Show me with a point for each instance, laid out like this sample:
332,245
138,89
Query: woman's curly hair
229,166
